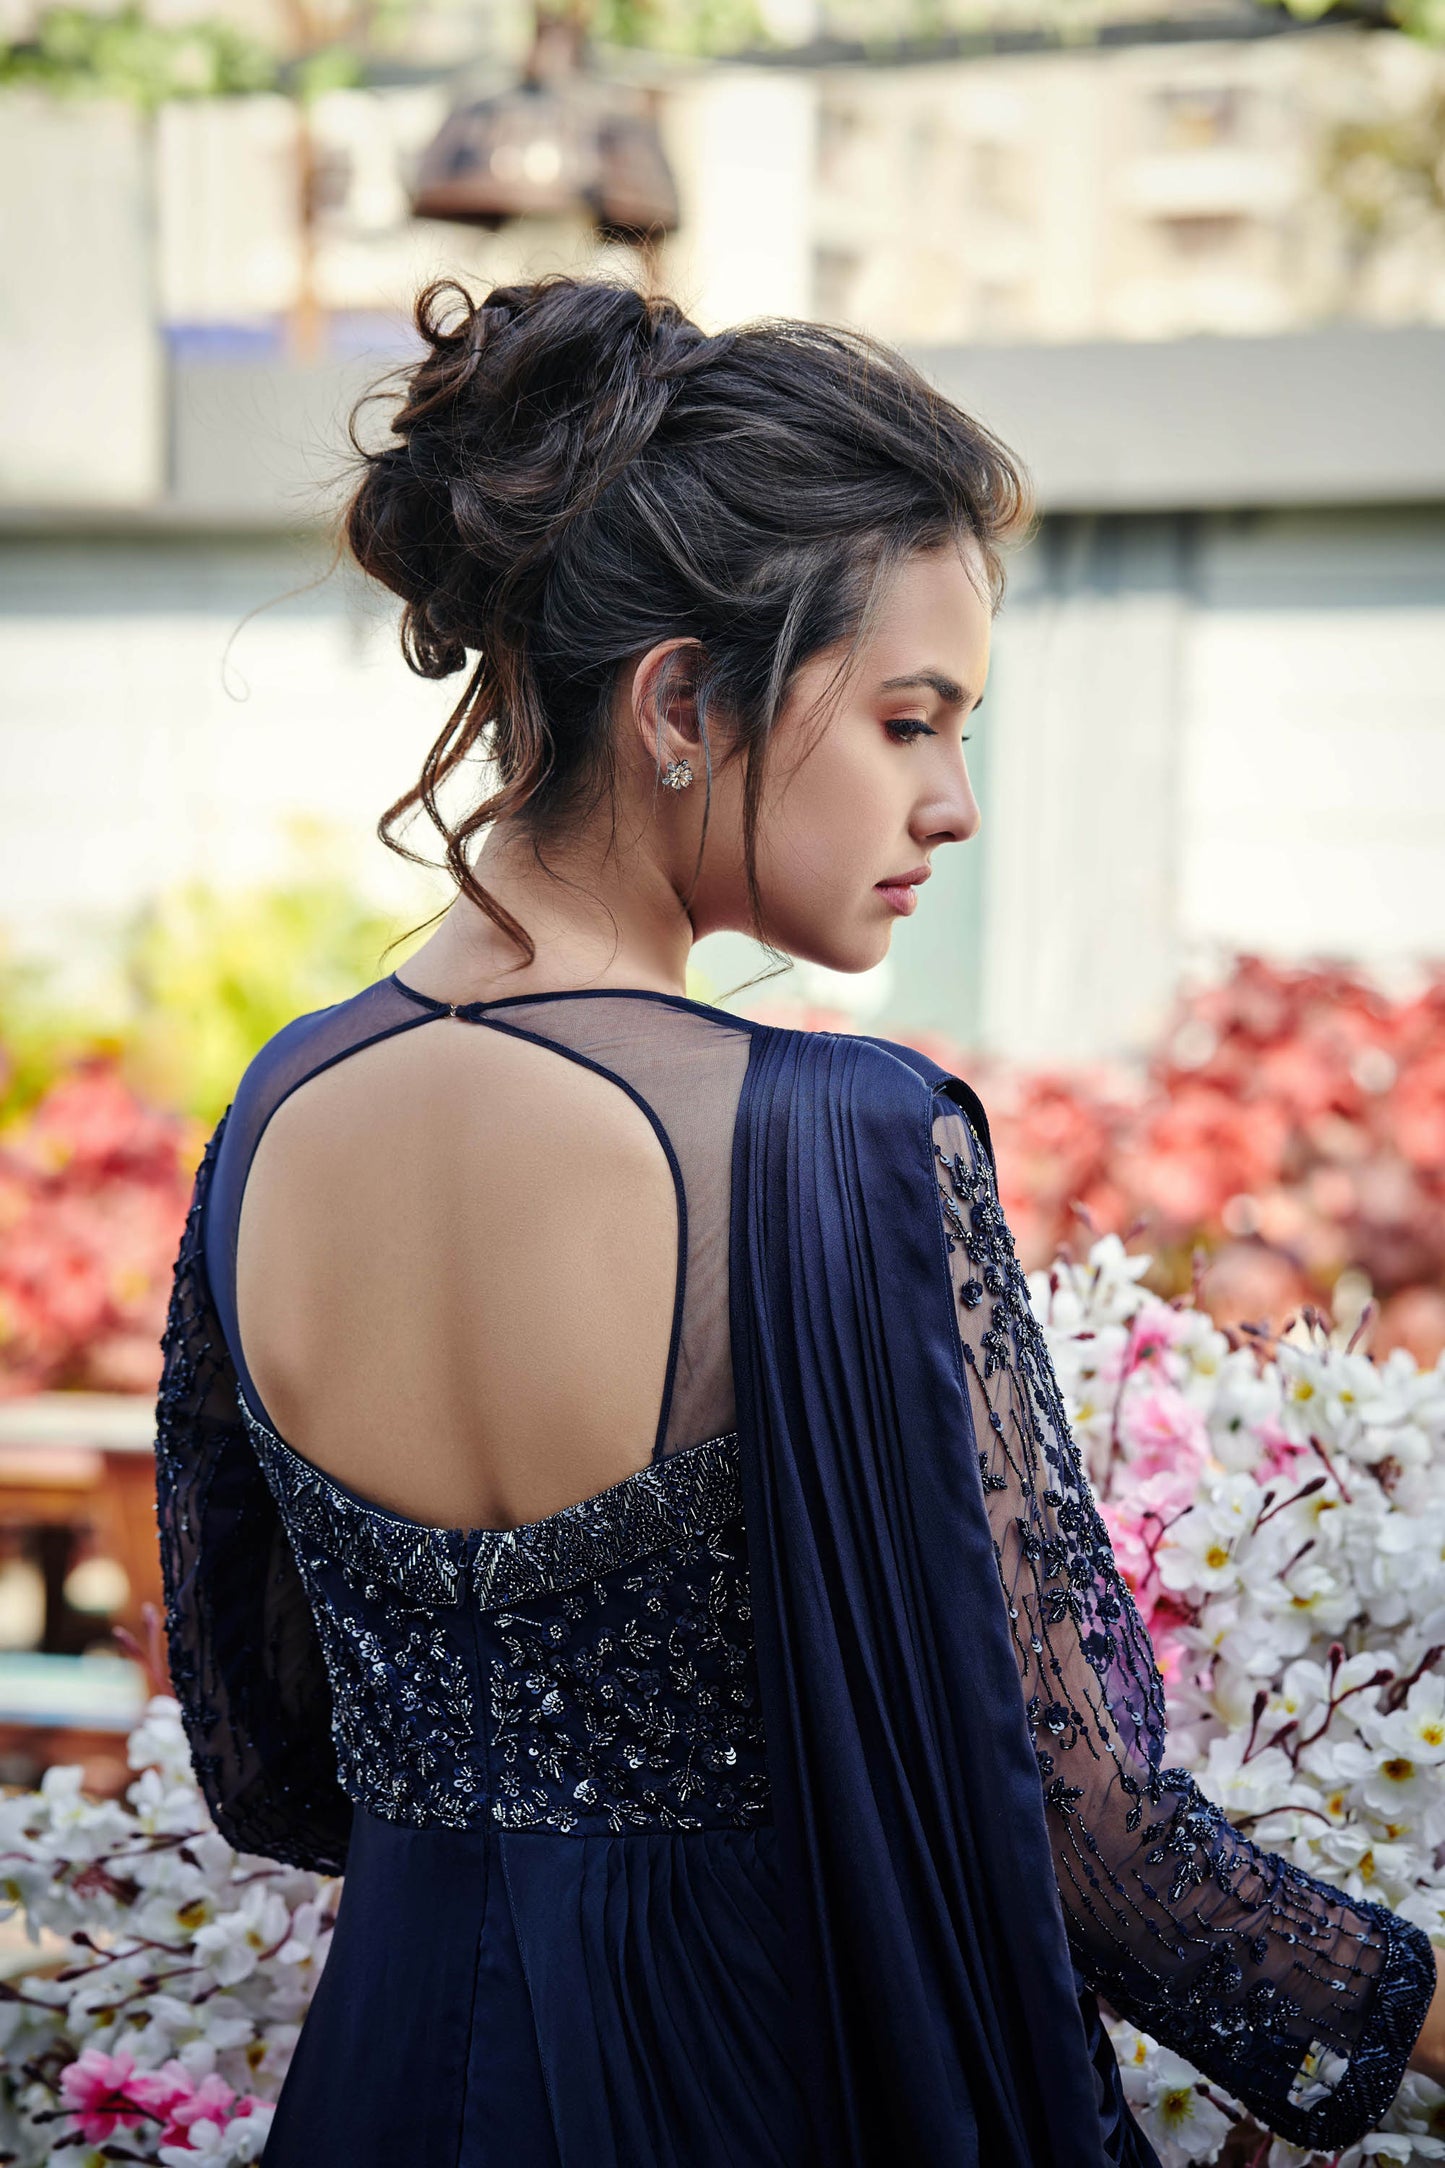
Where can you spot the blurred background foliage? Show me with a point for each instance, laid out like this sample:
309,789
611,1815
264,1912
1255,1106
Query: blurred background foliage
199,978
1288,1130
74,50
126,53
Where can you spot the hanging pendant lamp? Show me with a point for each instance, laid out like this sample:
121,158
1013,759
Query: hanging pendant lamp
562,143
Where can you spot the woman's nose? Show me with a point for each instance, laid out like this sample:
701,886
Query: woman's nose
957,819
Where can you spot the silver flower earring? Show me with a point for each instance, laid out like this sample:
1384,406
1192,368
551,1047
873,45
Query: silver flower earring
677,774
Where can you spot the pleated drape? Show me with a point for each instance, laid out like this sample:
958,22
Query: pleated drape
935,2004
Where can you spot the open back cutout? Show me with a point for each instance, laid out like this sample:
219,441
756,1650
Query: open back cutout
485,1262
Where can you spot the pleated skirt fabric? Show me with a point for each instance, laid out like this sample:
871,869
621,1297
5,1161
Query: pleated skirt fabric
522,1999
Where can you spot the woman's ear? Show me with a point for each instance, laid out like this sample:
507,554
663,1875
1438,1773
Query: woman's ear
662,697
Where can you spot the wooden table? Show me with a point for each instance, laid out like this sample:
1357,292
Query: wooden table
77,1476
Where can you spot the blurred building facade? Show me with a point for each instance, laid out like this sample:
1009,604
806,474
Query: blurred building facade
1220,185
1137,191
1199,285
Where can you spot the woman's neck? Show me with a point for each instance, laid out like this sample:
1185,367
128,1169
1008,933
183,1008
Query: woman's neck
597,918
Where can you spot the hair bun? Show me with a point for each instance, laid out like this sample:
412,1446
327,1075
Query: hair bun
524,407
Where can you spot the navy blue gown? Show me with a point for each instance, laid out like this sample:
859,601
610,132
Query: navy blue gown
790,1803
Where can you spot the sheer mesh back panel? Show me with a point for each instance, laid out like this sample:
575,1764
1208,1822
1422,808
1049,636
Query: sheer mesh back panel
684,1063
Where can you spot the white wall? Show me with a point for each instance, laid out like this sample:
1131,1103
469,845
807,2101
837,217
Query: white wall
742,144
1212,734
1082,808
1313,739
139,749
81,368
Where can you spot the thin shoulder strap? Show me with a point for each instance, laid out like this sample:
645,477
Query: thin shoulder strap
296,1053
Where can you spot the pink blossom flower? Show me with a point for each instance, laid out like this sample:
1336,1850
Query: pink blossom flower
1137,1518
1165,1618
1156,1328
1136,1522
1280,1453
211,2102
1130,1537
103,2093
1164,1432
181,2100
161,2091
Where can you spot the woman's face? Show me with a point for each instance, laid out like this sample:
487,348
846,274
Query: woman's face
855,806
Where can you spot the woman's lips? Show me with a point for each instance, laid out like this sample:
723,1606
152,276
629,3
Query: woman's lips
902,895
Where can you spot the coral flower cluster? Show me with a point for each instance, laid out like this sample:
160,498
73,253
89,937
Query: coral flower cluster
1291,1123
94,1185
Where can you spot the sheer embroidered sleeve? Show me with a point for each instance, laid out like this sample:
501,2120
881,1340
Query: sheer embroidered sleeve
245,1662
1304,2003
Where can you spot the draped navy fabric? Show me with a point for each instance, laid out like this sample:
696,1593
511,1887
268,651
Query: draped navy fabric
786,1804
937,2001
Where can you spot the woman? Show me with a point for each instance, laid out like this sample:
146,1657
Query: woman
614,1498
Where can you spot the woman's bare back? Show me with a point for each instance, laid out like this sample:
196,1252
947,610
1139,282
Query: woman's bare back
480,1266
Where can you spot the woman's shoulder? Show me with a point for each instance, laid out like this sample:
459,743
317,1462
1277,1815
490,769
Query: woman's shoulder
310,1042
882,1076
944,1087
913,1058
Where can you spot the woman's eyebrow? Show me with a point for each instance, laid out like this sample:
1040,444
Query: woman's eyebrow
947,688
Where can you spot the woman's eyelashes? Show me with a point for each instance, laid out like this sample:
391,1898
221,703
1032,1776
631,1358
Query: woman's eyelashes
905,729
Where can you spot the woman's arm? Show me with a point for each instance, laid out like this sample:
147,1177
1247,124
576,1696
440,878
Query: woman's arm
245,1662
1305,2003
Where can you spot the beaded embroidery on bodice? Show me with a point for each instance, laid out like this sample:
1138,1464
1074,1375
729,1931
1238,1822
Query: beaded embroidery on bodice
591,1671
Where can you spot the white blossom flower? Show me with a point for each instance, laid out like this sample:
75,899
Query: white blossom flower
1199,1550
1417,1731
234,1944
1244,1399
1307,1599
1184,2124
1203,1353
159,1742
1240,1782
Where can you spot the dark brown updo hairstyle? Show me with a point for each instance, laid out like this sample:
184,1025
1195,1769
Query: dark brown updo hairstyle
577,472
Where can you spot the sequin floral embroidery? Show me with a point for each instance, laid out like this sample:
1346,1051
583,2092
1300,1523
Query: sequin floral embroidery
631,1701
403,1713
615,1636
